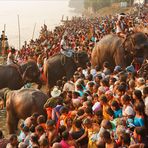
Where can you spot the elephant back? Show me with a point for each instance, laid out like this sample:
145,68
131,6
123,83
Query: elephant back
27,101
106,49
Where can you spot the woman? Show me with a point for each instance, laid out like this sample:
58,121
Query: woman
33,141
139,117
116,108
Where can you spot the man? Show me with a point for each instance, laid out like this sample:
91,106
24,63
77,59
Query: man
120,26
11,57
65,47
69,85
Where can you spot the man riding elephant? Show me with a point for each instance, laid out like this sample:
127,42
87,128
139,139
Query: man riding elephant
60,65
65,47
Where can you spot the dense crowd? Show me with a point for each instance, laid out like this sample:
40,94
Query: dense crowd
94,108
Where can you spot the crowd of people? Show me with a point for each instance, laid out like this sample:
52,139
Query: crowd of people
94,109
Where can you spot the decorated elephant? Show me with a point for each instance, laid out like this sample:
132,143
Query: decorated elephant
15,76
21,104
119,51
59,65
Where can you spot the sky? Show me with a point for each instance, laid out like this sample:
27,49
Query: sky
31,12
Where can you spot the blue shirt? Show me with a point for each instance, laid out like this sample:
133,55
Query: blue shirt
138,121
118,113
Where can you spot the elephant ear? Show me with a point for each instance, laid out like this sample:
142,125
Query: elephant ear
129,44
82,59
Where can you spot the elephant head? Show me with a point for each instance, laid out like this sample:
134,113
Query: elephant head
81,58
30,72
137,45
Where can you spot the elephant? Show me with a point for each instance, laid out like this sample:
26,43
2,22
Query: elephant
119,51
15,76
59,65
21,104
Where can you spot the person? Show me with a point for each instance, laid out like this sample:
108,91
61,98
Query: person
91,132
51,131
11,57
4,43
13,142
116,108
32,120
69,86
78,132
139,137
120,26
3,141
139,117
27,135
125,140
109,142
65,47
41,120
33,141
66,141
44,143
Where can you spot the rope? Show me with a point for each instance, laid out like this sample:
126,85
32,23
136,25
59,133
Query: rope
63,59
76,56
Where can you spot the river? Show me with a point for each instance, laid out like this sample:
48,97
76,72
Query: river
30,12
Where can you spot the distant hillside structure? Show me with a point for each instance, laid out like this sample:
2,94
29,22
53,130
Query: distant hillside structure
78,5
140,1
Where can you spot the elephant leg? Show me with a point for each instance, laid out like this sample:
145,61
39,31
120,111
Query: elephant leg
12,122
119,58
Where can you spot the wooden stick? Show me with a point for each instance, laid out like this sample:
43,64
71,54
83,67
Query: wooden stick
19,32
33,31
4,27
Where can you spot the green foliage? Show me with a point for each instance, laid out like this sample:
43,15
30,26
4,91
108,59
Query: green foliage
96,4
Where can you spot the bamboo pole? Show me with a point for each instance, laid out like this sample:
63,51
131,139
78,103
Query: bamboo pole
3,40
19,32
4,27
33,31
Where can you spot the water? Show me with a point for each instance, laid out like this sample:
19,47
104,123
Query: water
31,12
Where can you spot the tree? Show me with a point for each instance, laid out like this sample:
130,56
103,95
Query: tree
96,4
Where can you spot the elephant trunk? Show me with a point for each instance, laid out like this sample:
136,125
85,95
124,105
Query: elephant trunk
3,94
25,73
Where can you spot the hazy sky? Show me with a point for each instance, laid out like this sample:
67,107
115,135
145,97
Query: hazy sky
31,12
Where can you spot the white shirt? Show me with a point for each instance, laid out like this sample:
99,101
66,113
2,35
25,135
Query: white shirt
69,86
9,59
63,44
